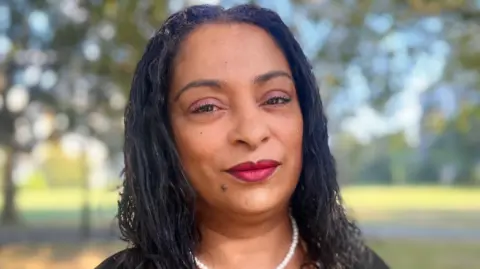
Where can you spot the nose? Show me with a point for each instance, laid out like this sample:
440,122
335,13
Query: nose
250,128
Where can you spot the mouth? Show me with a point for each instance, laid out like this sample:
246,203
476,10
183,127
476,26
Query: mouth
254,172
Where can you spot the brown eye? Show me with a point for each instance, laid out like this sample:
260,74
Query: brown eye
278,100
206,108
207,105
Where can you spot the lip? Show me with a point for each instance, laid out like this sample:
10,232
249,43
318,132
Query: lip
254,172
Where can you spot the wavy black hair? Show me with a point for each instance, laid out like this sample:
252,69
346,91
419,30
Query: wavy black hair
156,208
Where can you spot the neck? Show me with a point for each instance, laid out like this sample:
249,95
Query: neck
245,242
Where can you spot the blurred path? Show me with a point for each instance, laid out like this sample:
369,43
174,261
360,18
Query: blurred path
53,235
414,232
68,235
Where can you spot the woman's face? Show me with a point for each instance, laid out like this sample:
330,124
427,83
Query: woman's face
233,101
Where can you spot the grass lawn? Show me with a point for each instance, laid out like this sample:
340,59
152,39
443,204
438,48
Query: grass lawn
357,198
412,198
399,254
422,206
430,206
419,206
410,254
62,199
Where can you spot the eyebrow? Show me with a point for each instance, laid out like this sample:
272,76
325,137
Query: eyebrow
213,83
271,75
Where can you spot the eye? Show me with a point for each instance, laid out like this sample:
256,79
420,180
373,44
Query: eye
206,108
209,105
277,100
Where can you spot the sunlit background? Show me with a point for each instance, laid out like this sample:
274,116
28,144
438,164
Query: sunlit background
400,81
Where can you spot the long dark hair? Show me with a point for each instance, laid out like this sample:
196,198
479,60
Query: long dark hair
156,209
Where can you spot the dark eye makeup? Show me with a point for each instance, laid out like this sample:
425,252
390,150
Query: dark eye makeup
276,98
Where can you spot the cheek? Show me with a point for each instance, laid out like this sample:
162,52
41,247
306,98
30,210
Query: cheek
191,145
291,135
291,131
296,133
199,152
197,147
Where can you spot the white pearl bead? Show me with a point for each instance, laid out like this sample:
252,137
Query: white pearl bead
285,261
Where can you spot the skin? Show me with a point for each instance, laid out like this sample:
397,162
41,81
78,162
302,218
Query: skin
232,100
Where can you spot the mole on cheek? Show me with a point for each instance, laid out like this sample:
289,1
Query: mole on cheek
224,187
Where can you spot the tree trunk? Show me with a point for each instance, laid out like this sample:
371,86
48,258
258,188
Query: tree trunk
9,213
86,218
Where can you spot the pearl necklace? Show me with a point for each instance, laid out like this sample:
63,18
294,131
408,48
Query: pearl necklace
285,261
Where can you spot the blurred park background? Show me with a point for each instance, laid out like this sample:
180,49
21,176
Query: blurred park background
401,84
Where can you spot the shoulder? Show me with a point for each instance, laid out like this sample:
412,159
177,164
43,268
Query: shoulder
374,261
112,262
121,260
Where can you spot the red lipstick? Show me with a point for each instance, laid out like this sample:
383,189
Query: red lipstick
254,172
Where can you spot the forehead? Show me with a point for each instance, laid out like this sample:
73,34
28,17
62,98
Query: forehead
228,51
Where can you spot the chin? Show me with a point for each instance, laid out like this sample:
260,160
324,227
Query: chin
259,203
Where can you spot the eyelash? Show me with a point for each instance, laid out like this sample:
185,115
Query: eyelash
204,108
209,108
278,100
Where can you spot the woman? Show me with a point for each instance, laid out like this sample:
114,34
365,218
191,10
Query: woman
227,162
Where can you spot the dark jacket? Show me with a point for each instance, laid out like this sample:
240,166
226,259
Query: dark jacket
114,261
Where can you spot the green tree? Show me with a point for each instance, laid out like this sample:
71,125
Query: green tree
85,53
381,43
